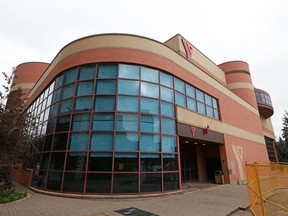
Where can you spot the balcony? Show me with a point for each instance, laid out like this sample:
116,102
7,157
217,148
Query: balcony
264,103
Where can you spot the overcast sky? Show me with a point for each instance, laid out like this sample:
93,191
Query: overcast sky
255,31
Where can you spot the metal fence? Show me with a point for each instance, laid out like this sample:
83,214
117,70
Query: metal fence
267,188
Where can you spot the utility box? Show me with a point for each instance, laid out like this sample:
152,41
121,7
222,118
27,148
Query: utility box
219,177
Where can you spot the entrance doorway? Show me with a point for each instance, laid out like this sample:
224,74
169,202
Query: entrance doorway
188,162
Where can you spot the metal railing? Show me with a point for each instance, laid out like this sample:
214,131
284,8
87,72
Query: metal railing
267,185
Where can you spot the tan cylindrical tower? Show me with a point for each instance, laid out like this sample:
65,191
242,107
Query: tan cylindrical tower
239,80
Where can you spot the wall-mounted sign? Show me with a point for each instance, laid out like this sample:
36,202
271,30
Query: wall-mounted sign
188,48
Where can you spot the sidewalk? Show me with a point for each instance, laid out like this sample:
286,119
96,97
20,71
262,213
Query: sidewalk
212,201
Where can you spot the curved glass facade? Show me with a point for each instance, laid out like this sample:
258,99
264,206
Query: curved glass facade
263,98
111,129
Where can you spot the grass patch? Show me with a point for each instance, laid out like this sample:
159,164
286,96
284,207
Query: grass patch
10,195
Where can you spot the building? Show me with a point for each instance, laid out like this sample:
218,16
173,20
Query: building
123,114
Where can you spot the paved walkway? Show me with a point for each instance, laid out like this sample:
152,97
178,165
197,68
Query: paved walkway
214,201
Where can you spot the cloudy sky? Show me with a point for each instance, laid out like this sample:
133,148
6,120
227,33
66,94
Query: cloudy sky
255,31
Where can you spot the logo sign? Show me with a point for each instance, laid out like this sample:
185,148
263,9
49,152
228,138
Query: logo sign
188,48
193,131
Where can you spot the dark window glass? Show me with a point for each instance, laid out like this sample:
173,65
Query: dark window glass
208,100
166,80
105,103
150,142
66,106
44,161
70,76
98,183
170,162
57,161
125,183
102,141
127,141
63,123
60,141
200,95
107,71
150,124
201,108
149,74
149,90
58,81
167,109
74,182
169,144
53,110
50,126
83,104
168,126
126,162
190,91
149,106
106,87
85,88
128,87
81,122
171,181
56,95
76,161
179,85
128,71
47,143
191,104
167,94
41,179
128,122
68,91
87,72
150,162
78,141
54,181
180,99
100,161
126,103
209,111
150,182
103,121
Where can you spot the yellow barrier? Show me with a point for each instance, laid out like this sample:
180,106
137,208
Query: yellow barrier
267,185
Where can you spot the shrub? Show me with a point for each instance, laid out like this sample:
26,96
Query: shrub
9,195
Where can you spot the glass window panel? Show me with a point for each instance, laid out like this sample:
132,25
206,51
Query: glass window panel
200,95
68,91
60,141
166,80
76,161
149,74
85,88
150,162
150,124
180,99
149,90
49,100
209,111
107,70
150,182
51,87
98,183
208,100
149,106
169,144
87,72
129,71
150,142
63,123
168,126
51,126
103,121
170,162
179,85
167,109
191,104
128,122
106,87
128,104
216,113
127,141
81,122
102,141
128,87
58,81
105,103
53,110
78,141
167,94
100,161
66,106
57,161
54,181
41,179
171,181
44,161
126,162
47,143
215,104
125,183
70,76
83,103
73,182
56,95
201,108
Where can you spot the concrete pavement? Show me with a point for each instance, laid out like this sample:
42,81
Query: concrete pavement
211,201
